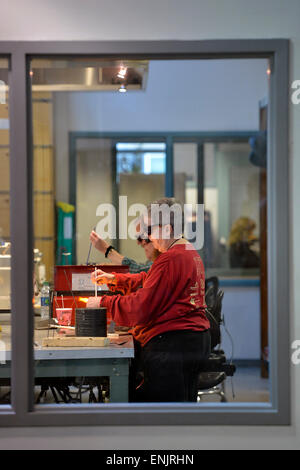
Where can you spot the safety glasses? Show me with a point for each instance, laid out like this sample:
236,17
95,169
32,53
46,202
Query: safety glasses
140,240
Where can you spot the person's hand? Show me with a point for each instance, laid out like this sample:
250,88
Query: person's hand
98,242
101,277
94,302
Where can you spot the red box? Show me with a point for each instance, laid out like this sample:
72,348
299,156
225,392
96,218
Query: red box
67,278
75,280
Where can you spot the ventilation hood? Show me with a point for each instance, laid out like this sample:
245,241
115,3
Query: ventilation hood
81,75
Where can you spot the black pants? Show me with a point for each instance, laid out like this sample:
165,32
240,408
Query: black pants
168,367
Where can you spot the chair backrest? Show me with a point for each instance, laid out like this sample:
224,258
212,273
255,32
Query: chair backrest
214,300
216,310
212,284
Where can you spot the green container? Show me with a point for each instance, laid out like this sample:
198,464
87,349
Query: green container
65,234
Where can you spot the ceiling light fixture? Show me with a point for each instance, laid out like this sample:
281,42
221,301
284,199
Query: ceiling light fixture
122,72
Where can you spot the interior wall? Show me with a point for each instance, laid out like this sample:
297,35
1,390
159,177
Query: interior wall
185,157
139,189
94,187
189,20
237,182
241,310
180,96
184,95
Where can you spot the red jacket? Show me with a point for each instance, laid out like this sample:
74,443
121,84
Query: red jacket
172,296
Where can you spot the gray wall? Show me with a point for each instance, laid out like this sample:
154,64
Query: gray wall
180,96
144,20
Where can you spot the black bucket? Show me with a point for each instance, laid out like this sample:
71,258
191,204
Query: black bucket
91,322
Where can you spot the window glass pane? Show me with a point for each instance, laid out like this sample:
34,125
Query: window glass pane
153,146
186,185
140,146
154,163
89,171
186,172
129,163
5,246
94,169
74,187
222,175
141,177
232,202
141,162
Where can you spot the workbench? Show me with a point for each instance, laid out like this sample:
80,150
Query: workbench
110,361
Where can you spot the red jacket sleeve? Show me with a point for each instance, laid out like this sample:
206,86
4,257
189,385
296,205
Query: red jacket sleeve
140,307
127,283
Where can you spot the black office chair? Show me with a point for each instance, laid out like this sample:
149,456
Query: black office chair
216,369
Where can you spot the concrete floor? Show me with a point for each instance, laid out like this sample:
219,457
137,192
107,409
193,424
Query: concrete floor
248,387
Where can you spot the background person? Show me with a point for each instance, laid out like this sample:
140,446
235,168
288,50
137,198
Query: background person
241,243
167,313
116,258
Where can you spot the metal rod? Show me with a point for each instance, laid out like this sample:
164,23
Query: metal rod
88,258
70,287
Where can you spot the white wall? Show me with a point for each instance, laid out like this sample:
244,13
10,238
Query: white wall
179,96
241,310
162,19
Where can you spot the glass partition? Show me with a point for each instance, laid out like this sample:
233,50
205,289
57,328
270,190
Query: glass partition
141,170
232,199
104,140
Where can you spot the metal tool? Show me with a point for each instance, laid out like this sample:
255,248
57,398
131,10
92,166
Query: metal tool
88,258
70,288
62,327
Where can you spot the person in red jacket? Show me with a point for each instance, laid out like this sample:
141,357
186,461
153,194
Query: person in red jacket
166,309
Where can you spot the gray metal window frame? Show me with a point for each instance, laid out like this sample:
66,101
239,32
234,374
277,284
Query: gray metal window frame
22,411
169,138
